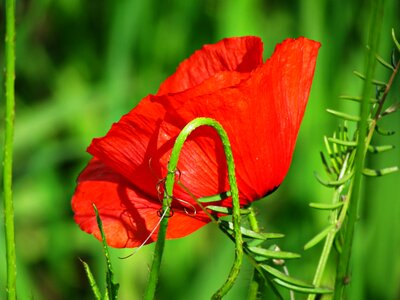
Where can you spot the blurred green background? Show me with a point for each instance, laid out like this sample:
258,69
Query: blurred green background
82,64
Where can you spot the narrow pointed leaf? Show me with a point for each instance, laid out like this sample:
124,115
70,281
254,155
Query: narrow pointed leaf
381,172
333,183
341,142
378,149
319,237
383,62
338,151
305,290
343,115
273,254
332,159
226,210
374,81
92,281
215,198
357,99
282,276
393,59
396,42
326,206
252,234
245,232
328,169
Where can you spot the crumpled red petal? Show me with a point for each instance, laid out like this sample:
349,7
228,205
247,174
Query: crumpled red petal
259,105
128,217
234,54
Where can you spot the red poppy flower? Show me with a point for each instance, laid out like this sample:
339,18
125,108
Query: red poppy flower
260,105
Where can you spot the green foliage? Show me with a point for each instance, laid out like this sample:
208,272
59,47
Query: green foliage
346,164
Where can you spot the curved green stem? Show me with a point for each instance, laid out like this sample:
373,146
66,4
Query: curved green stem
169,185
342,275
8,150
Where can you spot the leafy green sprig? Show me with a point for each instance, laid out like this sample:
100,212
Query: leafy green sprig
341,167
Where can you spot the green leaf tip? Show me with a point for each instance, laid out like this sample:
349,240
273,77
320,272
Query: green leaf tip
319,237
273,254
344,115
92,281
381,172
326,206
304,290
396,42
334,183
226,210
215,198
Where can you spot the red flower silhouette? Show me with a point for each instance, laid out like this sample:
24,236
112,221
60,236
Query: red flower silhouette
260,105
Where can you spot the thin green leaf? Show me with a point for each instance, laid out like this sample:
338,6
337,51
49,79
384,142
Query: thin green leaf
328,169
226,210
260,258
332,159
252,234
384,63
375,82
343,143
357,99
393,59
333,183
305,290
337,150
319,237
396,42
273,254
215,198
379,149
343,115
381,172
326,206
254,243
282,276
112,286
92,281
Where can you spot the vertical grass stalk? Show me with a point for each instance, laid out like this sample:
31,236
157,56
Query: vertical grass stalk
342,275
8,150
169,185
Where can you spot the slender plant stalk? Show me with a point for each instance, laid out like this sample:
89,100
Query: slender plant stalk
8,150
169,185
342,275
330,238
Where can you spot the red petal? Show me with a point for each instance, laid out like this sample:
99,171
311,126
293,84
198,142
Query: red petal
261,115
128,216
131,147
234,54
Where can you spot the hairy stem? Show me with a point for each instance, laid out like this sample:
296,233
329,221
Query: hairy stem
169,185
8,150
